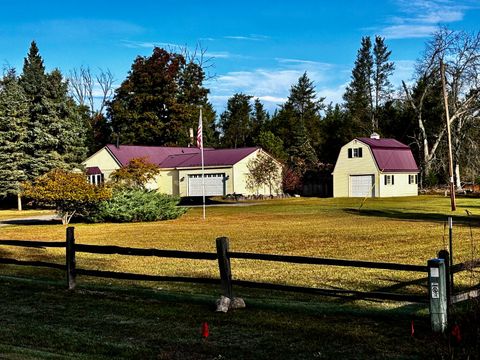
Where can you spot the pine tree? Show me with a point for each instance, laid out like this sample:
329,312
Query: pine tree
236,122
382,71
370,87
260,118
297,124
56,132
358,95
13,135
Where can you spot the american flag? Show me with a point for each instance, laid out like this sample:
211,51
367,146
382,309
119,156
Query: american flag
200,133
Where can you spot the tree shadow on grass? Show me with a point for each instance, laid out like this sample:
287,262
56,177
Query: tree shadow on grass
473,220
32,222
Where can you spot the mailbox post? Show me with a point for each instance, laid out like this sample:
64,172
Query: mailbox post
437,291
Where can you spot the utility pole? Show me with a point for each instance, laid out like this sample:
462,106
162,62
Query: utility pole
449,136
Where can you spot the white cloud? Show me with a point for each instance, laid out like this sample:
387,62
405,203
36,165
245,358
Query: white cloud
408,31
150,44
252,37
421,18
272,85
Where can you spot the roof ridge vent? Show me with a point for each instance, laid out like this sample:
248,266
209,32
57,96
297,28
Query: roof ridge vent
375,136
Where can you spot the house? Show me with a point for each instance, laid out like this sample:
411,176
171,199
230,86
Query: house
374,167
226,170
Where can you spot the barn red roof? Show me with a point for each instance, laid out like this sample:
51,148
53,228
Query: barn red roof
153,154
391,155
174,157
212,157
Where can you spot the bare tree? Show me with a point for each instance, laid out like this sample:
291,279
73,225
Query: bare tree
460,51
93,91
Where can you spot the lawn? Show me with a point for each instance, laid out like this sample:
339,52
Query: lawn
402,230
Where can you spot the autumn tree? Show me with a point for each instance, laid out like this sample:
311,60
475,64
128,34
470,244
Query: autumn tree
263,170
159,101
137,173
69,193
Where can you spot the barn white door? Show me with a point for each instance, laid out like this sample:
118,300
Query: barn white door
362,186
214,185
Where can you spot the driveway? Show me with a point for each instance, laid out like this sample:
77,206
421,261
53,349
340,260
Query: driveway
32,220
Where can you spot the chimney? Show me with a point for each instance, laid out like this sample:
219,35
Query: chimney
191,137
375,136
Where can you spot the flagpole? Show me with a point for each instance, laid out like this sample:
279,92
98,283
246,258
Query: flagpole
200,130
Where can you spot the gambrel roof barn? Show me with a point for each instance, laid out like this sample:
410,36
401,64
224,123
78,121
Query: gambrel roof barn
374,167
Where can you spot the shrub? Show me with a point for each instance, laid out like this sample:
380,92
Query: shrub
136,204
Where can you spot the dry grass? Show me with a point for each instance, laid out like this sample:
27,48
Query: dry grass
401,230
14,214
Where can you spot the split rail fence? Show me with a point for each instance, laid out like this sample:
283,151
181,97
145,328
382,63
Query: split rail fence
223,255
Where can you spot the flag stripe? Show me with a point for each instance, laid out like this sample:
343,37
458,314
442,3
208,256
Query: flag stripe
200,134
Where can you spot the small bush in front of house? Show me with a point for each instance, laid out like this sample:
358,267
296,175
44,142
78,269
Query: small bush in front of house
137,204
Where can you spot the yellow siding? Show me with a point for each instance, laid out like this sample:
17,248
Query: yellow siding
240,172
167,182
355,166
400,187
103,160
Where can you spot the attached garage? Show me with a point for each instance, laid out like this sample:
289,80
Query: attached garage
214,184
362,186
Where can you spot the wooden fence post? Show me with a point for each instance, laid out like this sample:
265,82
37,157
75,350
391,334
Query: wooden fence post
224,266
70,258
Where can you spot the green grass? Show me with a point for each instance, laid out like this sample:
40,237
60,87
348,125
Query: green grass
162,320
41,320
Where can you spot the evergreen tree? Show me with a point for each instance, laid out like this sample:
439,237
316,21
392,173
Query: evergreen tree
260,119
13,135
382,71
56,135
158,102
297,124
370,87
337,130
358,94
236,122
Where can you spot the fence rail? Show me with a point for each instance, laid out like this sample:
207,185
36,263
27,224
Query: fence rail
223,256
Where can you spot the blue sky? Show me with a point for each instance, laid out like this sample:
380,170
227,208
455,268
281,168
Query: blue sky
257,47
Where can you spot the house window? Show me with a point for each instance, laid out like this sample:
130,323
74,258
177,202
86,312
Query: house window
413,179
389,180
355,153
96,179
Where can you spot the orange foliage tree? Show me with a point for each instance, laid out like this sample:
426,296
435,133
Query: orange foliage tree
69,193
137,173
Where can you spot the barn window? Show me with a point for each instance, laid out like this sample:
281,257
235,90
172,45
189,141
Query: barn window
389,180
355,153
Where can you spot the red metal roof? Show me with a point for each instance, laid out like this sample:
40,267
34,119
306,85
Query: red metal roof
174,157
212,157
153,154
93,170
391,155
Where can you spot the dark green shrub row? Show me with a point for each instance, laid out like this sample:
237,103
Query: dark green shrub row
136,204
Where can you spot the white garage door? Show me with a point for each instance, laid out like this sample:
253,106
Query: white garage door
214,185
362,186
